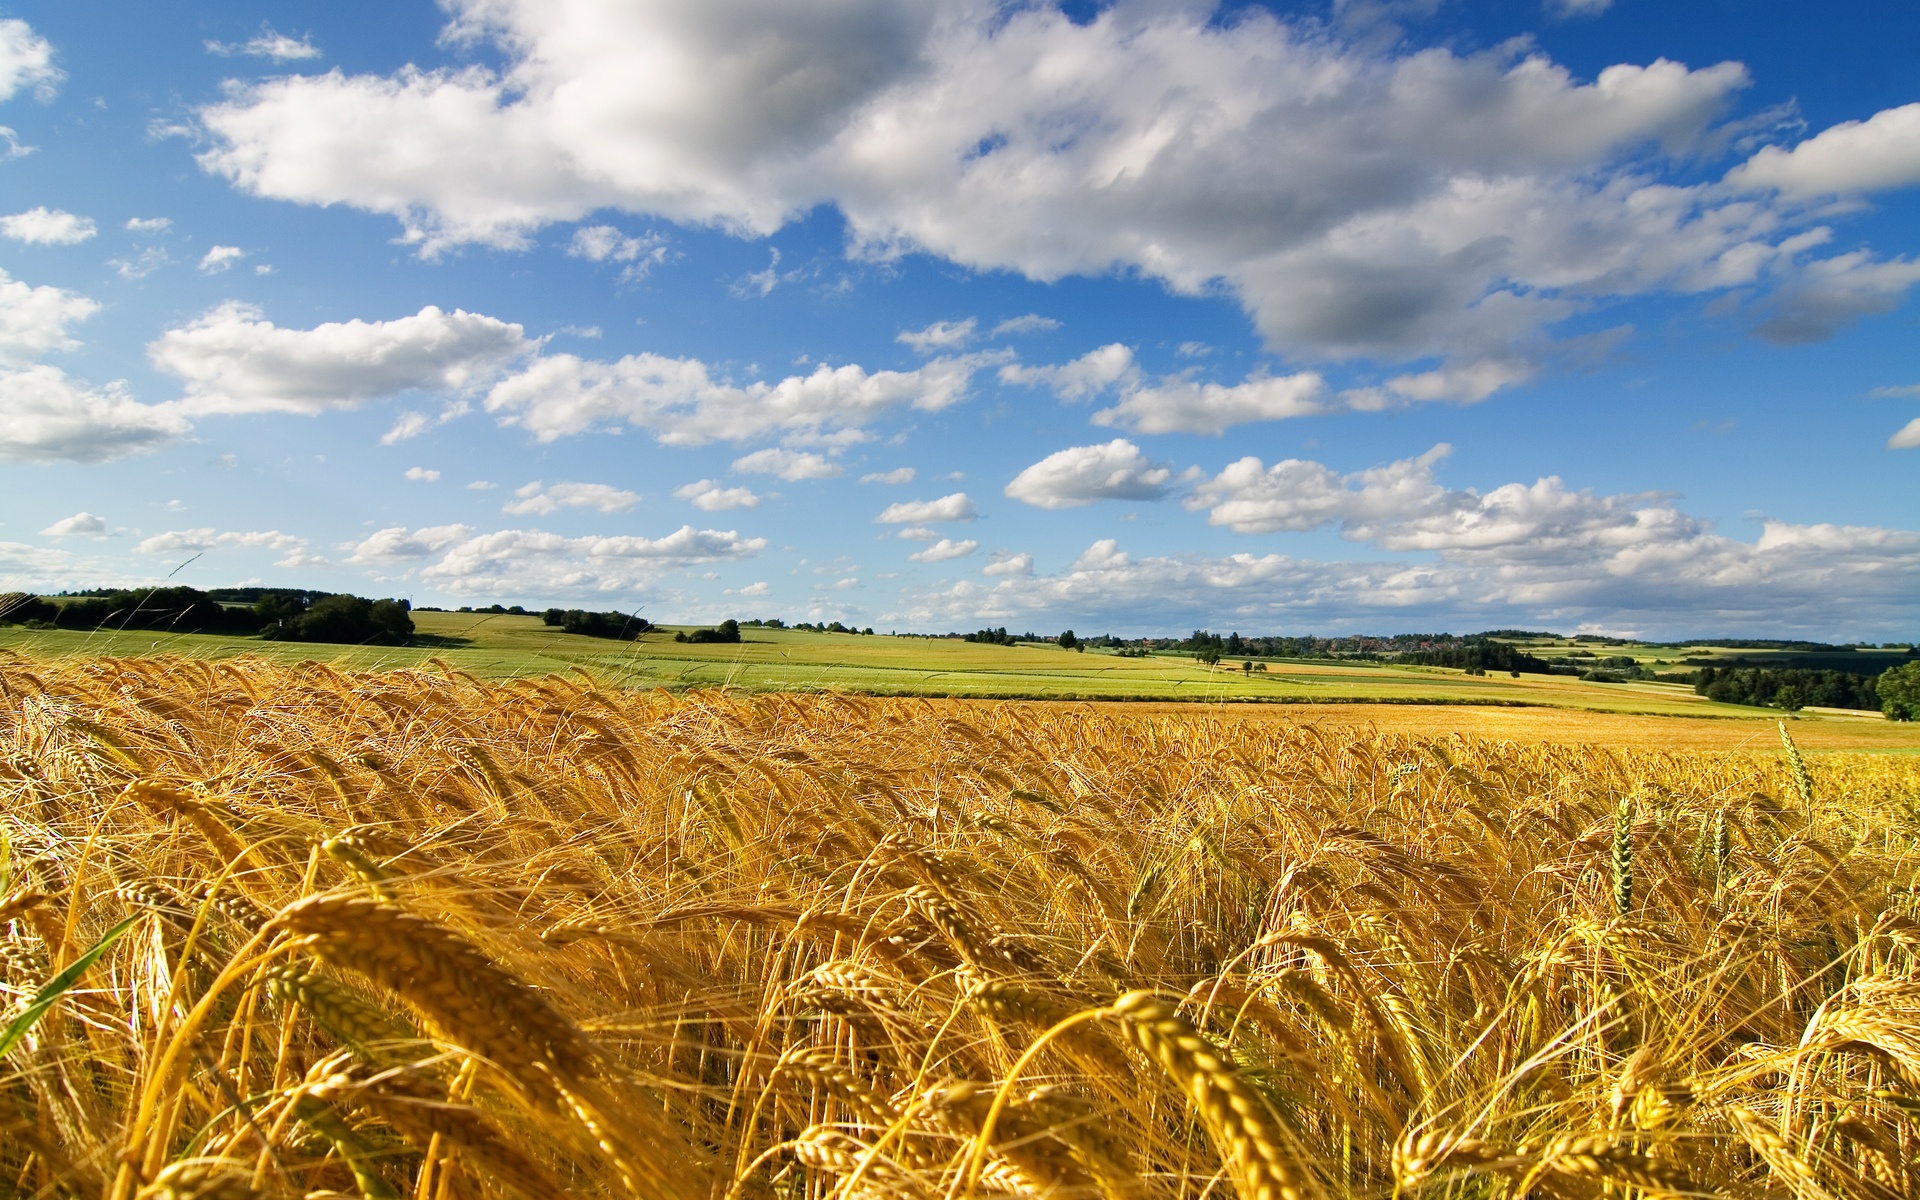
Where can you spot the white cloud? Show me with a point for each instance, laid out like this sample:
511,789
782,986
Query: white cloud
45,414
1908,437
1832,293
790,465
1578,8
481,485
395,545
680,403
219,258
1672,578
709,496
26,60
149,224
941,335
1184,406
412,424
955,507
1016,566
276,46
945,550
533,562
1360,198
604,243
45,226
80,524
1086,376
199,541
34,320
15,147
423,475
1297,495
751,591
142,264
1029,323
236,361
1853,156
896,476
541,500
1081,475
919,533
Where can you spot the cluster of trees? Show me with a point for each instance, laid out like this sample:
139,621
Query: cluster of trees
1478,655
1789,689
997,637
728,632
278,614
170,610
1899,690
291,617
616,625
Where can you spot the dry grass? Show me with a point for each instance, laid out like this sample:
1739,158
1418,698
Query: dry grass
412,935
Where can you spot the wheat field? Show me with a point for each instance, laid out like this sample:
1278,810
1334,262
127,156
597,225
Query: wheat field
282,930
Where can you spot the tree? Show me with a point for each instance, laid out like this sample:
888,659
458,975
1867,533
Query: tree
1209,655
1899,690
1068,641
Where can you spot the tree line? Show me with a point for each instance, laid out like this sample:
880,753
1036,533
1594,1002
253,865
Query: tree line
287,615
1895,692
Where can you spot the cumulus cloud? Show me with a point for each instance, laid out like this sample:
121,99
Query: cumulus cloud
941,335
1908,438
26,60
1016,566
1184,406
1578,8
1029,323
234,360
80,524
1081,475
1175,403
680,402
1835,292
1298,495
604,243
542,499
1360,198
219,258
268,44
790,465
395,544
709,496
423,475
955,507
45,226
34,320
47,415
1676,579
198,541
534,562
898,475
149,224
945,550
1853,156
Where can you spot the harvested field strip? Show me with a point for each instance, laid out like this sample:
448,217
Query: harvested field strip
412,934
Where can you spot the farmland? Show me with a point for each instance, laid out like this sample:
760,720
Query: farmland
509,646
416,933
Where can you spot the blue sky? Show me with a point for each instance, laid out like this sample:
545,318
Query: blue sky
1131,317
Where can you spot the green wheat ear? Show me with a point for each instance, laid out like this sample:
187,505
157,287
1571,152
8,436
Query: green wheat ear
1801,779
1623,854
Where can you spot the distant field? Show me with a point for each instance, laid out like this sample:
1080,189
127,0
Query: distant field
505,646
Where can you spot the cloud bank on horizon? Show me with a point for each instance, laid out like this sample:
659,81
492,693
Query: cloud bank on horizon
753,259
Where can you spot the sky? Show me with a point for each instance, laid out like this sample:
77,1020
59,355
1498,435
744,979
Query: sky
1138,317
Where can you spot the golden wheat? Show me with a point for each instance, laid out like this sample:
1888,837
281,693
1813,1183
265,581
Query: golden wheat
284,931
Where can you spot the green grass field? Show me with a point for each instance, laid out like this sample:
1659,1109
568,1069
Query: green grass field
497,646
